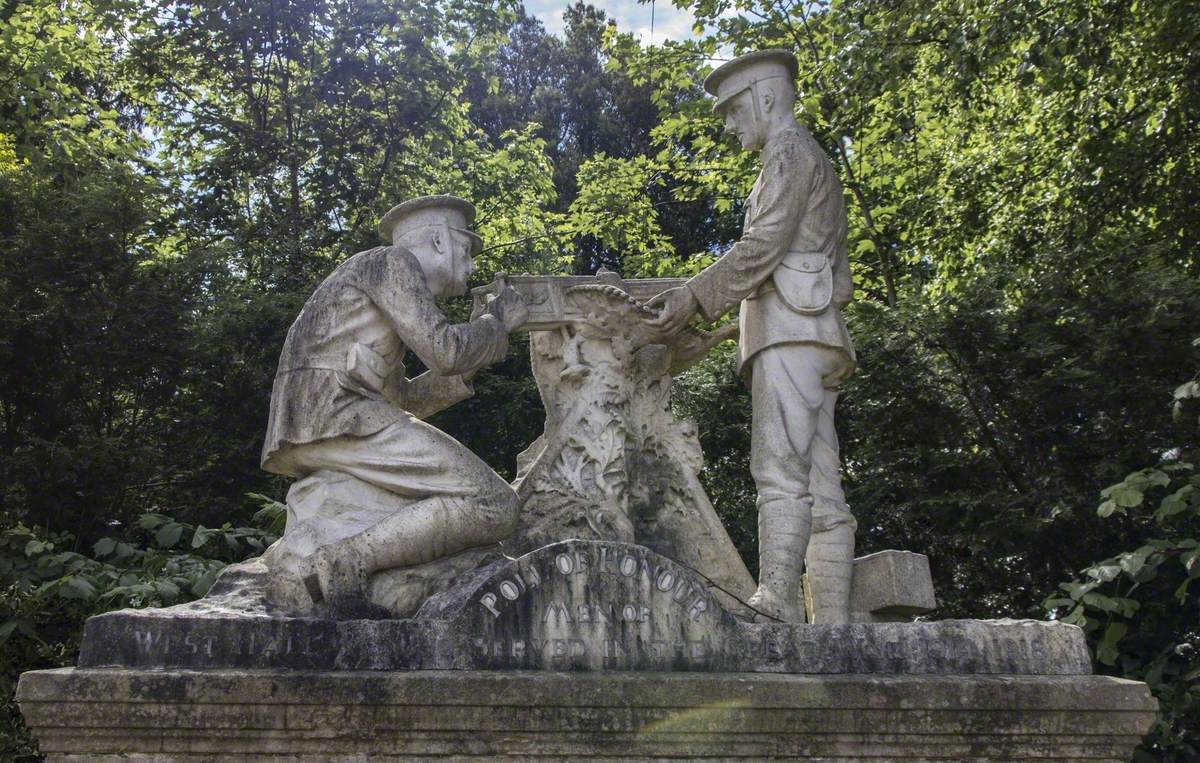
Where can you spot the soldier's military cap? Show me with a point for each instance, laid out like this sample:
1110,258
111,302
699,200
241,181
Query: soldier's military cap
423,211
743,72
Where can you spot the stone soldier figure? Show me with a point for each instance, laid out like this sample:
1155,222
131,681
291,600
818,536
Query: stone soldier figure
379,488
790,272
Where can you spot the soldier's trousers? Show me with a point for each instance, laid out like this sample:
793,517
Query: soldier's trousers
445,498
794,446
803,520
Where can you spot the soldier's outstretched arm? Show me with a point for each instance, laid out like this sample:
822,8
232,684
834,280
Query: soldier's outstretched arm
783,193
403,295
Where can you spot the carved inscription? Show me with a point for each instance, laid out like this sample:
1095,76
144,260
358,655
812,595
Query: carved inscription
603,605
664,578
153,643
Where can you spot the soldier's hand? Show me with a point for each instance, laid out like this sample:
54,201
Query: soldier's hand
479,307
510,308
675,308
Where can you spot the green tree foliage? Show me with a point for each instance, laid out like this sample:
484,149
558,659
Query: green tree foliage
49,590
1139,607
93,320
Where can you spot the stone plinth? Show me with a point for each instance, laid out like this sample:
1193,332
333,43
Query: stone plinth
577,605
582,650
236,715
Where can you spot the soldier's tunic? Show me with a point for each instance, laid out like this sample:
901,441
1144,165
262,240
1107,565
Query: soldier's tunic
340,399
791,273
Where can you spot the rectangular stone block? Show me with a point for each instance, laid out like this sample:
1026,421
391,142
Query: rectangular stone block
262,715
888,586
892,585
597,606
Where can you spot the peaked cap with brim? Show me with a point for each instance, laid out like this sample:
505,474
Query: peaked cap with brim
426,210
743,72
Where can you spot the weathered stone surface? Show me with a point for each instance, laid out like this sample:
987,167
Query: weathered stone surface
546,296
888,586
379,489
110,715
579,605
791,275
612,463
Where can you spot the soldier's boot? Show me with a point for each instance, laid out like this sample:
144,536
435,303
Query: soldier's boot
416,534
783,530
830,562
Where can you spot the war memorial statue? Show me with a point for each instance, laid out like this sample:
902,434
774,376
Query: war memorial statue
419,606
791,275
378,487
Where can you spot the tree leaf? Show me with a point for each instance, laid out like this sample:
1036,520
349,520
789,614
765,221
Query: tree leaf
7,629
201,536
1178,502
168,535
204,582
1133,562
166,589
1106,650
149,521
1127,496
1101,602
77,587
1105,572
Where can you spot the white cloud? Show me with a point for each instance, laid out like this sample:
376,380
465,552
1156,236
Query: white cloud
651,22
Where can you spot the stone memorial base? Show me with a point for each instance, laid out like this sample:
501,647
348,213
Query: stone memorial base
123,714
579,650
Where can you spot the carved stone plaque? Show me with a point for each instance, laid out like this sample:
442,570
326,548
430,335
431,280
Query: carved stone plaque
589,605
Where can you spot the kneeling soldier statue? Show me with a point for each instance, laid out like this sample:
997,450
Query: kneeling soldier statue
379,488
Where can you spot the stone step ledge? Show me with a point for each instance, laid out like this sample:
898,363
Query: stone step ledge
102,714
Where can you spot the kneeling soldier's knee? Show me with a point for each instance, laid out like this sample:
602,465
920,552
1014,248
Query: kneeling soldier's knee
500,509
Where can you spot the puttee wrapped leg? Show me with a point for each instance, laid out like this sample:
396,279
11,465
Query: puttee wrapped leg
416,534
830,557
830,561
783,530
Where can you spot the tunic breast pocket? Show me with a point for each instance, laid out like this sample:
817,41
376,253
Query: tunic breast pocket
804,281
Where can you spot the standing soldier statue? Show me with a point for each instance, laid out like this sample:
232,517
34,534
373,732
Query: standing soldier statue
790,272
